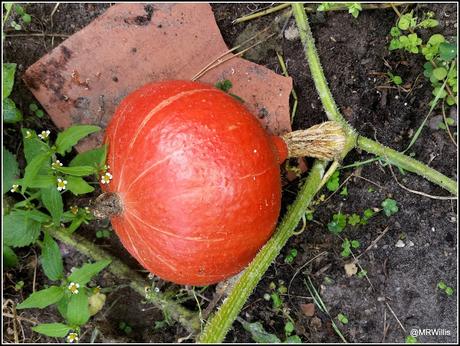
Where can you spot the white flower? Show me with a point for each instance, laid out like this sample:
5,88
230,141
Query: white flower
72,337
105,179
61,184
55,164
44,134
14,188
73,287
87,211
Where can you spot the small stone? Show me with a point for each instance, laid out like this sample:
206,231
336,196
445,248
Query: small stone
400,243
350,269
410,243
291,33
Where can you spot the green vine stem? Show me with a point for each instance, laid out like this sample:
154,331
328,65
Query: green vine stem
333,113
188,319
407,163
219,324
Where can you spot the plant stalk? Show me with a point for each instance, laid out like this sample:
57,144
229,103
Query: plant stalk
187,318
219,324
407,163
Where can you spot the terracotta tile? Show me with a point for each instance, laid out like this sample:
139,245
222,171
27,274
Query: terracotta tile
83,80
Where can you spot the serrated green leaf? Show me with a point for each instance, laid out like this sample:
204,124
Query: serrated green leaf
10,170
78,309
258,333
95,157
52,200
78,171
11,114
32,169
34,215
84,274
69,137
333,182
55,330
389,206
78,186
33,146
9,257
51,259
43,298
9,70
19,230
436,39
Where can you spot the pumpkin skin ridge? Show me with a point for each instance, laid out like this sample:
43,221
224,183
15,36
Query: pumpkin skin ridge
191,272
165,103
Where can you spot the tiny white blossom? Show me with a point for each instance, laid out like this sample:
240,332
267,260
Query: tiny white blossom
73,287
157,289
61,184
14,188
55,164
72,337
44,134
74,209
105,179
87,211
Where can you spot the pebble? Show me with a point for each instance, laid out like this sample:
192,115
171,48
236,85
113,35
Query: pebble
400,243
410,243
291,33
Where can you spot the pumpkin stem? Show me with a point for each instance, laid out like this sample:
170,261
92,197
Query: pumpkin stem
324,141
107,205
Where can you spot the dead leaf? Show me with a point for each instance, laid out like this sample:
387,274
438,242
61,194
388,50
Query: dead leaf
350,269
308,309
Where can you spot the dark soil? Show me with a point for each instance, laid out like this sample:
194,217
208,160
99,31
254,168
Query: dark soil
401,289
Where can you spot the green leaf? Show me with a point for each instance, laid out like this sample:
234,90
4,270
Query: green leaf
26,18
355,244
42,299
440,73
11,114
62,306
84,274
428,23
293,339
224,85
8,79
289,328
397,80
447,51
78,309
395,44
354,219
33,168
10,170
395,32
258,333
338,223
51,259
333,182
354,9
77,170
78,186
406,21
95,157
411,339
34,215
389,207
19,230
436,39
449,291
69,137
277,302
42,181
52,201
9,257
33,146
55,330
442,285
342,318
439,92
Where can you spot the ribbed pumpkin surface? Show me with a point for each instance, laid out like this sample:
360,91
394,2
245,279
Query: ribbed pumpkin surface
198,178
